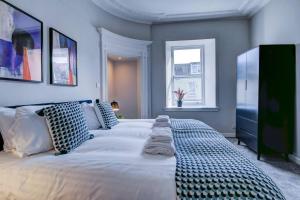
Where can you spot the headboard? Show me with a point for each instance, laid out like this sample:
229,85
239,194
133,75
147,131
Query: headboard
51,103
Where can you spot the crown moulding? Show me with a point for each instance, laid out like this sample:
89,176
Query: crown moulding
148,14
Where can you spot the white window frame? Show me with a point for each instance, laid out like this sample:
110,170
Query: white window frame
208,70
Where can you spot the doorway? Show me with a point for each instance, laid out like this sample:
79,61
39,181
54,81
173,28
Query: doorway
124,85
114,44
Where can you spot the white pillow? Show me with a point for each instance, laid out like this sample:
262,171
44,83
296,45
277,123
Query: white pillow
25,110
30,131
7,118
90,116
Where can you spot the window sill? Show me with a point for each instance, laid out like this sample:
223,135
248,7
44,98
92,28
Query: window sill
191,109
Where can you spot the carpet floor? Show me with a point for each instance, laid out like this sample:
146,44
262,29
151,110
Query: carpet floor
286,175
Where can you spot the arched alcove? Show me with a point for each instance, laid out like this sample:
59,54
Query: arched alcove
115,44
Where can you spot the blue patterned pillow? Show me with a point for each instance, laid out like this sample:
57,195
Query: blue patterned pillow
106,115
67,126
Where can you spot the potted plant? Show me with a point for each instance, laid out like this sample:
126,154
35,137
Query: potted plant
179,95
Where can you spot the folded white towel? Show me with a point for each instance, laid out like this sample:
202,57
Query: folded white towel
159,148
162,124
161,134
162,130
162,118
161,138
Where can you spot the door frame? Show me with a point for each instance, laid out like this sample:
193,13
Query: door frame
114,44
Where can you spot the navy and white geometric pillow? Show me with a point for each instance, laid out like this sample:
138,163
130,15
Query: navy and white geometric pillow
67,126
106,115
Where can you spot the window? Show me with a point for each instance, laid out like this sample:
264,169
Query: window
187,74
191,67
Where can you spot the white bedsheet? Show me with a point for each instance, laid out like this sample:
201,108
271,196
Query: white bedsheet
110,166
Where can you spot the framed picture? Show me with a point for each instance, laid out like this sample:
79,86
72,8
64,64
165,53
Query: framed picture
21,45
63,59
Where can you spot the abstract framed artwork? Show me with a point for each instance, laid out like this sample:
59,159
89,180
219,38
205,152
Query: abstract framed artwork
21,45
63,59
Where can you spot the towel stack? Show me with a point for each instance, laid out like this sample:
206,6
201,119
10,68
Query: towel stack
161,140
162,121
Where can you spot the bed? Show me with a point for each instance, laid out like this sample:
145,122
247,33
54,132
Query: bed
113,166
110,166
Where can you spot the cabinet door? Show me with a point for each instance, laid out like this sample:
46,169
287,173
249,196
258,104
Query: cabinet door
241,82
241,93
252,87
277,98
247,98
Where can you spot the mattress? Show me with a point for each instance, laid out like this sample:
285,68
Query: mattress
110,166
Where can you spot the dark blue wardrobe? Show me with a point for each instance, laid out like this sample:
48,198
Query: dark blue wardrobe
265,112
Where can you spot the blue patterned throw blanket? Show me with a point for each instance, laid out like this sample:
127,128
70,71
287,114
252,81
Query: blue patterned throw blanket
209,167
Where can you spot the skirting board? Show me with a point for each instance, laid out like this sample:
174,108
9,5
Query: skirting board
229,135
294,159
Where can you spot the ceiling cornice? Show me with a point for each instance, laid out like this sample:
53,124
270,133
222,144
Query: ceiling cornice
247,9
250,7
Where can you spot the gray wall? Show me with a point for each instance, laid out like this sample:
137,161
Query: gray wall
278,22
77,19
232,38
123,87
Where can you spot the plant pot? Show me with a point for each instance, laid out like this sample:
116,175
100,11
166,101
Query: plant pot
179,103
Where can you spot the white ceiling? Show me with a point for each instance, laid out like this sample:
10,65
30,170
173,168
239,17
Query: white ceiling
156,11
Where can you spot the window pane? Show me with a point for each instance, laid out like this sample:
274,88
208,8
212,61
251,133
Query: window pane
195,68
193,87
182,69
185,56
187,62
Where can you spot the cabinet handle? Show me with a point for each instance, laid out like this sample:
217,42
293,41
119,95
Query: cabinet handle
246,84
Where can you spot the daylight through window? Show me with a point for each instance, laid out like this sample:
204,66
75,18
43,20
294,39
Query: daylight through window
191,67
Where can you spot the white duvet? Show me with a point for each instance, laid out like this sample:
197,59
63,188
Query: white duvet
110,166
